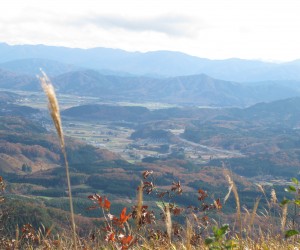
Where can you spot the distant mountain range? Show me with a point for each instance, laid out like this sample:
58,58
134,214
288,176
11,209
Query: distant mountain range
116,75
32,66
183,90
29,58
197,89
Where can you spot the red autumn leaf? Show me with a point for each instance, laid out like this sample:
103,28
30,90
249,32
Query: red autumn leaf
96,198
100,201
106,204
123,216
111,237
126,240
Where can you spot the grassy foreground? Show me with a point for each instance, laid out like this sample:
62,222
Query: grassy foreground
162,223
143,226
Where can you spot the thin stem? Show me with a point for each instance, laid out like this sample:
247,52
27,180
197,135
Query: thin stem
70,196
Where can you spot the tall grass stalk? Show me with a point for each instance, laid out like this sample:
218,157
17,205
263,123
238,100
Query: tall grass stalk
55,114
283,218
233,188
139,204
253,215
168,222
189,233
260,187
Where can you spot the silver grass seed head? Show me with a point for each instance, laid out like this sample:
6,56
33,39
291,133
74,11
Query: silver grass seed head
52,105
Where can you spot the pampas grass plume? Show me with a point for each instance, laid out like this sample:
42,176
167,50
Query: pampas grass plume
55,114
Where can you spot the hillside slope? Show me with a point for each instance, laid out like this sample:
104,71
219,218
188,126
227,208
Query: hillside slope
23,141
191,90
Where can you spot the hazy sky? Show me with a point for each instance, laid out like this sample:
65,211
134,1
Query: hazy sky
252,29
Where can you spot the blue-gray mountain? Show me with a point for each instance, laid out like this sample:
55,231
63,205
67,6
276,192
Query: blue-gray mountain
158,63
183,90
187,90
32,66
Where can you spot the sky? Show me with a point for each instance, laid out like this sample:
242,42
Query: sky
215,29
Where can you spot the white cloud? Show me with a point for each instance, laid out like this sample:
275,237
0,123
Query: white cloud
214,29
169,24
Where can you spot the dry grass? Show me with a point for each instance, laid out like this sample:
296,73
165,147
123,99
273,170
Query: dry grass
253,215
284,216
263,243
256,237
55,114
139,204
168,222
233,188
189,233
